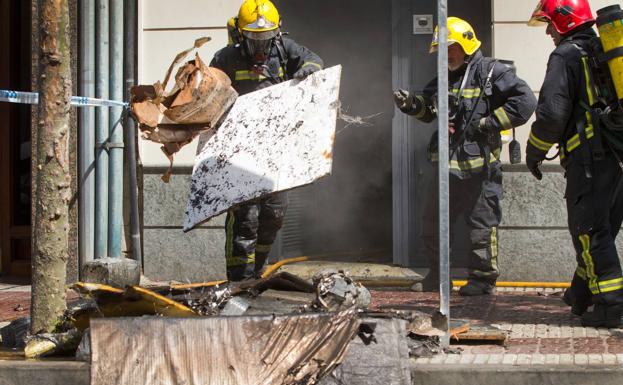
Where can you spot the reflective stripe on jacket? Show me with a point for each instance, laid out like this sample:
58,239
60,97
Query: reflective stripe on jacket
566,89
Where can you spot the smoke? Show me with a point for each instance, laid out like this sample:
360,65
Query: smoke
352,209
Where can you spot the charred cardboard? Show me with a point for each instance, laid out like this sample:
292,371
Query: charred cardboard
198,100
286,350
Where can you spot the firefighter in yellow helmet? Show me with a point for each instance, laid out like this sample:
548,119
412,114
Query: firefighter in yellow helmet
486,97
261,58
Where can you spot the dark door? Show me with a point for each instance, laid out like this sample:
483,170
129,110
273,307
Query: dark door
15,176
348,214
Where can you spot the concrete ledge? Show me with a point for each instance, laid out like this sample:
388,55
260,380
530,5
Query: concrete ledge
515,375
44,372
78,373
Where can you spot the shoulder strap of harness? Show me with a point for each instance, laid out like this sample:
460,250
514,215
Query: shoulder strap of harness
283,57
591,151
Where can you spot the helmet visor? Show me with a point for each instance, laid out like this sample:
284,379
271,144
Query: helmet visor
258,49
265,35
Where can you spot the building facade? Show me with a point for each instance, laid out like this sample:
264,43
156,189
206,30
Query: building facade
370,208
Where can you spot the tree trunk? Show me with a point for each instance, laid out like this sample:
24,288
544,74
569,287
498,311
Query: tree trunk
52,192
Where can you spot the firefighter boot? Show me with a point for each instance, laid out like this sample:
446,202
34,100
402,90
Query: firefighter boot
608,316
476,287
578,305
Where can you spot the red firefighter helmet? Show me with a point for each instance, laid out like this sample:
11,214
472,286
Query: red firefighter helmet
566,15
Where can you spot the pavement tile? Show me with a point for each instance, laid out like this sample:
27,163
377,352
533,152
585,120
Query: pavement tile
487,349
481,359
604,332
556,346
592,332
524,359
566,331
496,359
467,359
529,331
609,359
615,344
552,359
538,359
580,359
554,331
452,359
589,345
567,359
542,331
523,346
509,359
595,359
579,331
516,331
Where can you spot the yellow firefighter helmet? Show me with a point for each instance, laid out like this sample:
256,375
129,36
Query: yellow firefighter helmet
258,16
459,31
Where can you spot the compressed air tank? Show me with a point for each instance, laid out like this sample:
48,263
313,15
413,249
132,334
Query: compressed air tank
610,27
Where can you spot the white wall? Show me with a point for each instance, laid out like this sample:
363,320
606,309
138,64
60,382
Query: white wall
166,28
528,47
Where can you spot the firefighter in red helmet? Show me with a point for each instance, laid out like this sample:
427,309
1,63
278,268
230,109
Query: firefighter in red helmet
566,117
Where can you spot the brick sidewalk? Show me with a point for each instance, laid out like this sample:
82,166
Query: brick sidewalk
541,328
16,304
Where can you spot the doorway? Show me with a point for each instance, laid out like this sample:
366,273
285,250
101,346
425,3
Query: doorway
15,140
414,176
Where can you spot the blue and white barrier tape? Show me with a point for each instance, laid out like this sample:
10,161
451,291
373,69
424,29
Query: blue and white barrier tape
79,101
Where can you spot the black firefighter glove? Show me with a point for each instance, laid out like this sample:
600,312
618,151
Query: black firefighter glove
479,130
534,158
305,71
406,102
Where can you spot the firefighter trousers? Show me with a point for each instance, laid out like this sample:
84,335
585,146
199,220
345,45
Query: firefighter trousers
595,213
251,229
477,201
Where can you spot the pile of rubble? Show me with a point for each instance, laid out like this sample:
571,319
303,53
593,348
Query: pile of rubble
324,322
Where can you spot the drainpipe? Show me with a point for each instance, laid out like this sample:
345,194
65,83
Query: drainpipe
129,69
102,63
115,144
86,137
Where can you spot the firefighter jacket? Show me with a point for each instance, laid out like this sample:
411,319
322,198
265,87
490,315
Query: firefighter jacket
286,57
507,102
561,116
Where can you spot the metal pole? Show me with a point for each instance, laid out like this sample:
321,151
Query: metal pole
129,68
115,178
444,176
101,128
86,137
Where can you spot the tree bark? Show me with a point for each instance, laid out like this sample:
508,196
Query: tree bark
52,192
